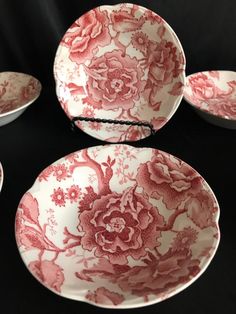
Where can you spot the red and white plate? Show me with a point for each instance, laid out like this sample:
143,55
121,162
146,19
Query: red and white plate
118,226
213,95
124,63
1,176
17,92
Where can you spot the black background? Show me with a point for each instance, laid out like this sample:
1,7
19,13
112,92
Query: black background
30,31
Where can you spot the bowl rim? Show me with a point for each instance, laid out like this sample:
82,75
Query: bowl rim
25,105
154,301
205,111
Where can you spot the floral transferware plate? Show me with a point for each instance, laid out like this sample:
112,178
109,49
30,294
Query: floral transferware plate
17,92
118,226
121,63
213,95
1,176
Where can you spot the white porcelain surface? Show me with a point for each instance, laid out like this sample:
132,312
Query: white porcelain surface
121,62
118,226
17,92
213,95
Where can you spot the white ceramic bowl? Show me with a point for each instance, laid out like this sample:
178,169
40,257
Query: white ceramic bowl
1,176
17,92
213,95
120,63
118,226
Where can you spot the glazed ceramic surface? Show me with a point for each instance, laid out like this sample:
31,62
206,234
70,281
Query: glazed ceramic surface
118,226
213,95
123,63
17,92
1,176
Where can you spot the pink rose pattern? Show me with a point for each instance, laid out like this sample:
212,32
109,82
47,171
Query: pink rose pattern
89,31
118,233
112,82
16,90
131,66
205,90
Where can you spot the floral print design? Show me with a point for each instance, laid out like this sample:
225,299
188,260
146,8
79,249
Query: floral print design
86,34
213,92
143,223
119,226
17,90
172,181
49,273
130,66
114,81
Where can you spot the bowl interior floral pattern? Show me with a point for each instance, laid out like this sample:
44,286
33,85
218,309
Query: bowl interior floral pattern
213,92
118,226
121,62
16,91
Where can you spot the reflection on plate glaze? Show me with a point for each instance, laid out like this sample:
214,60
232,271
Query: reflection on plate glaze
120,62
118,226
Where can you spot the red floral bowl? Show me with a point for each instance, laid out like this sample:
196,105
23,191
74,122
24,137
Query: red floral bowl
1,176
17,92
213,95
119,72
118,226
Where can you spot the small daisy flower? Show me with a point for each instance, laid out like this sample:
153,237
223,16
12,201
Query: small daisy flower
58,197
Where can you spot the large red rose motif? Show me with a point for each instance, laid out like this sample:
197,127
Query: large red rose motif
163,61
48,272
86,34
203,88
120,225
114,81
173,181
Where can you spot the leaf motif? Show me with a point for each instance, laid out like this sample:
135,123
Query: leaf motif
104,296
161,31
83,276
49,273
30,208
177,89
87,199
70,252
112,162
31,239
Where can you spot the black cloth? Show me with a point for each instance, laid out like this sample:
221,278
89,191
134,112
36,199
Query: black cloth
30,32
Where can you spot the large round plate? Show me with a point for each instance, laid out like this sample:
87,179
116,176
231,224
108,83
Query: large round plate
122,63
213,95
118,226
